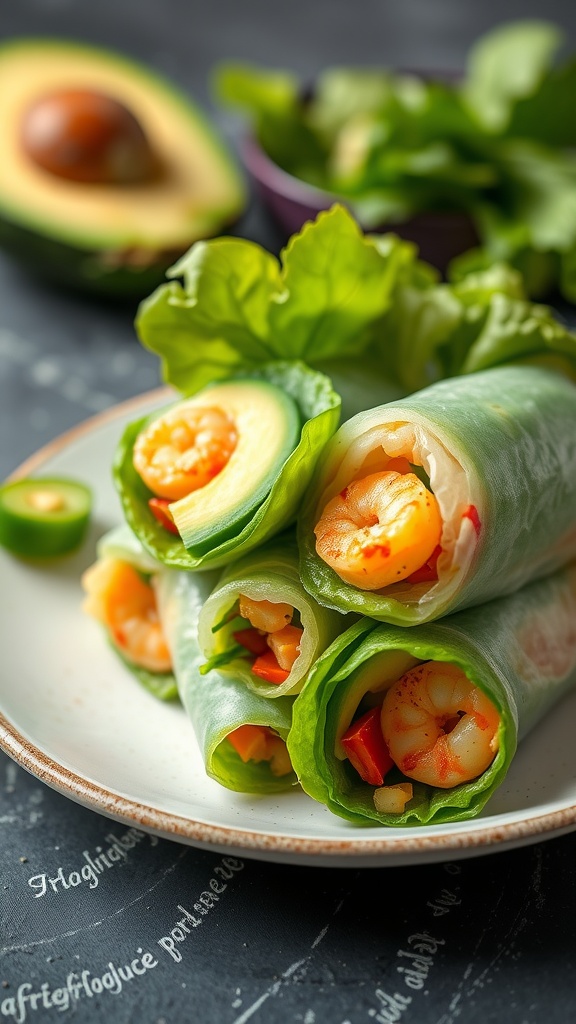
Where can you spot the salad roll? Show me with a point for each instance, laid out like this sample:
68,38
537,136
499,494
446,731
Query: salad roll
453,496
260,624
419,726
120,593
218,472
241,735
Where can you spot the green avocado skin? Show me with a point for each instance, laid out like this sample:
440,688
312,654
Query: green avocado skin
81,269
114,271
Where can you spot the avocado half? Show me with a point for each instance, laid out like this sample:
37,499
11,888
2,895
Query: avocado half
113,239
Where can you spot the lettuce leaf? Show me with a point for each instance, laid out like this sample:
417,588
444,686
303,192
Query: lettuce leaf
496,146
239,307
277,104
507,65
337,297
480,320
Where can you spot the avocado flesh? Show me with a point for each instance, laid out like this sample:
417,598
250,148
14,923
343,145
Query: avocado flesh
376,676
122,236
268,425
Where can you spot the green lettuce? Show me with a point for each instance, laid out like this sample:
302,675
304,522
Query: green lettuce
363,308
496,146
238,306
507,65
518,650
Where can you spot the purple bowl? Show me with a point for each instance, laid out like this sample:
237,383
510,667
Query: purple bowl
439,235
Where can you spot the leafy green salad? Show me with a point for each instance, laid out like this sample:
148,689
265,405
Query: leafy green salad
495,143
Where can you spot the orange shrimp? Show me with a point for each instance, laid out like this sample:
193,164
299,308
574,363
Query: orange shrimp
272,619
379,529
268,616
118,597
440,728
184,449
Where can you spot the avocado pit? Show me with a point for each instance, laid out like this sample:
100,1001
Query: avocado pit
87,136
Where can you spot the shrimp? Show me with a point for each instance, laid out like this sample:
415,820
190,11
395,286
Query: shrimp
439,727
379,529
271,620
268,616
184,449
118,597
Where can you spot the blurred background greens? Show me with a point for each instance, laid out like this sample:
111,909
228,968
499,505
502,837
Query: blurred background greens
451,123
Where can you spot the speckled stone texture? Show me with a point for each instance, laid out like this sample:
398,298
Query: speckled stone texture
108,924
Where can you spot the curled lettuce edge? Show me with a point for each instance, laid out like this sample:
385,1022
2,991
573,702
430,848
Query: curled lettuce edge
215,703
470,418
491,644
319,405
270,574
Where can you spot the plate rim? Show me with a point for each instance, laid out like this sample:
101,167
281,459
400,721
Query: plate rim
103,800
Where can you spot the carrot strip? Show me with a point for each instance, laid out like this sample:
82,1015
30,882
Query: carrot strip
250,742
267,668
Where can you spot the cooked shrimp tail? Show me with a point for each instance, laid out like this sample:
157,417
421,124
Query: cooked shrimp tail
119,598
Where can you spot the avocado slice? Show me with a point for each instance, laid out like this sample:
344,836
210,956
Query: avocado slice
374,677
110,238
268,425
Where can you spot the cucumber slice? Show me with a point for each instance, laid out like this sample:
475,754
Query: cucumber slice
44,516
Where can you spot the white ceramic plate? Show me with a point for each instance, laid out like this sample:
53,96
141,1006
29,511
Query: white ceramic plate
72,716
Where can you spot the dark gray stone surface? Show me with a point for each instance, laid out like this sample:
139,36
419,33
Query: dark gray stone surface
280,943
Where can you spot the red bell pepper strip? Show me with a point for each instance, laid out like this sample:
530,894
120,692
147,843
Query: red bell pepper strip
366,748
252,640
161,512
267,668
428,572
471,513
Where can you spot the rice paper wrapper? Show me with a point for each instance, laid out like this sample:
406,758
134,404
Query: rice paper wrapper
217,703
269,574
499,448
520,650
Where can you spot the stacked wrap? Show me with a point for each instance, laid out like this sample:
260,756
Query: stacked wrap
519,650
218,701
499,448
